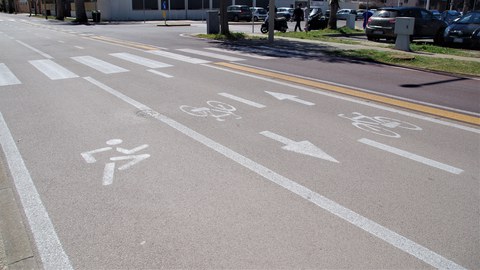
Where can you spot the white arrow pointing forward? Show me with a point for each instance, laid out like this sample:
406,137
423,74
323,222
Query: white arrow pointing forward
303,147
281,96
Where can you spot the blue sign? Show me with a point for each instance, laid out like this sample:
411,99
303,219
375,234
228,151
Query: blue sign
164,5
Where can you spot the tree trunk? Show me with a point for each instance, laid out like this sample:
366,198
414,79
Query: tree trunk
60,10
224,18
332,21
80,12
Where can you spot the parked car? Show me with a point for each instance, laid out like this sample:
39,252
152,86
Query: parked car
382,24
449,16
285,12
464,31
258,13
342,14
436,14
239,13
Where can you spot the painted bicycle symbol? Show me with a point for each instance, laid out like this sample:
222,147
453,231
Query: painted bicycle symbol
379,125
217,110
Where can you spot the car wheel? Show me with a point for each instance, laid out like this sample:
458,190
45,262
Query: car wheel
438,39
235,18
255,19
264,29
372,38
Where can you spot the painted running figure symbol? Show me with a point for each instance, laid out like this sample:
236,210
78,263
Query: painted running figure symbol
109,169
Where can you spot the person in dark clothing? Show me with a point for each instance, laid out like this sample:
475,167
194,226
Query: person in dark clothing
298,17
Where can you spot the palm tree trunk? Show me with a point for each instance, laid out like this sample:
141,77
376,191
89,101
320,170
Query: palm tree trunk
60,10
80,11
224,18
332,21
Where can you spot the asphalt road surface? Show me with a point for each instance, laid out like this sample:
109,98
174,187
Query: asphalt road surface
137,146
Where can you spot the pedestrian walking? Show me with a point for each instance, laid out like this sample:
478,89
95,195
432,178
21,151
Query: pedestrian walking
298,17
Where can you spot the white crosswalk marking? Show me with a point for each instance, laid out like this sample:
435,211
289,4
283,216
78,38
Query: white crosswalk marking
7,77
140,60
99,65
212,55
53,70
252,55
179,57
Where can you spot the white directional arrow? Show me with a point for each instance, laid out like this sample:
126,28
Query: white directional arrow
281,96
303,147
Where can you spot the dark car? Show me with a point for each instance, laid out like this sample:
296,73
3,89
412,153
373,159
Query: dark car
464,31
449,16
382,24
239,13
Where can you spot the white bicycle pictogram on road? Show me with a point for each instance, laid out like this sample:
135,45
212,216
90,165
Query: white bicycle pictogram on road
217,110
379,125
109,169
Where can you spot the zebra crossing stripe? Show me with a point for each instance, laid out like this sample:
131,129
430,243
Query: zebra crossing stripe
53,70
179,57
212,55
7,77
243,53
140,60
99,65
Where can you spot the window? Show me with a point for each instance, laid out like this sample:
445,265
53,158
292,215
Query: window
149,4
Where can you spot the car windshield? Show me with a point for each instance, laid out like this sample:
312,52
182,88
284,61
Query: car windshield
385,14
262,11
245,8
473,17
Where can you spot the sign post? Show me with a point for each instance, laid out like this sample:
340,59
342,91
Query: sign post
164,10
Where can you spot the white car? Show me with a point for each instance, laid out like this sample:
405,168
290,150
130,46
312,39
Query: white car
258,13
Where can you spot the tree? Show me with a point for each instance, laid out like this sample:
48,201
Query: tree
224,18
80,11
60,10
332,21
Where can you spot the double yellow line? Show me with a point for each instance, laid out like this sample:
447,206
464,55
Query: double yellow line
356,93
124,43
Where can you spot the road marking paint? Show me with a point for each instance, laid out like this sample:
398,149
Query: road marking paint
301,147
242,53
35,50
282,96
140,60
48,245
414,157
124,43
381,232
179,57
242,100
7,77
53,70
108,172
353,100
99,65
212,55
160,73
356,93
79,47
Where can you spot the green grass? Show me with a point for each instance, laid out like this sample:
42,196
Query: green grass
430,48
232,36
422,62
328,35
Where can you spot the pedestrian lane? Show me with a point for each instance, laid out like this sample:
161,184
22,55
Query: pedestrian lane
54,71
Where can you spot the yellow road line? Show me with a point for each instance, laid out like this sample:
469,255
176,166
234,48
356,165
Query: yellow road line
124,43
356,93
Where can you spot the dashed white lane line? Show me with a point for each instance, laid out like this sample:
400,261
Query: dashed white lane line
422,253
414,157
48,245
140,60
212,55
165,75
35,50
242,100
178,57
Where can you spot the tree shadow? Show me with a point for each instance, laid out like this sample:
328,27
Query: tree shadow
433,83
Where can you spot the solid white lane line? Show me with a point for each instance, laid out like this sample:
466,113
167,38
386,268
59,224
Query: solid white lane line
35,50
140,60
7,77
383,233
414,157
212,55
108,172
242,100
160,73
178,57
353,100
99,65
252,55
48,245
53,70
